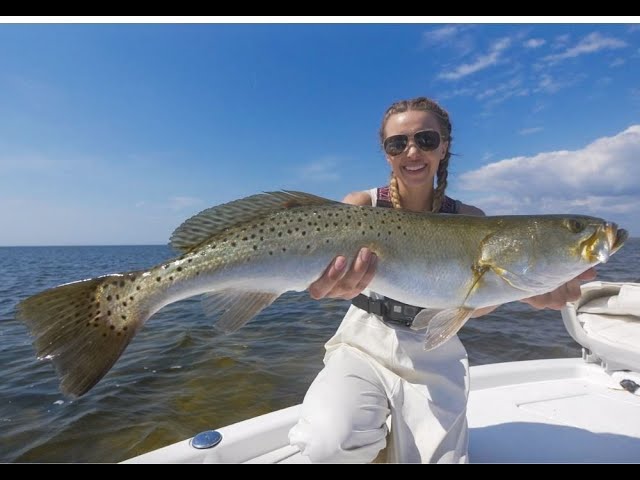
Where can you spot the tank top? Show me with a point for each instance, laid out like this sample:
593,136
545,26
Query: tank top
381,197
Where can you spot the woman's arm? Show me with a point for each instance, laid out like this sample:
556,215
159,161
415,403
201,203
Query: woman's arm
556,299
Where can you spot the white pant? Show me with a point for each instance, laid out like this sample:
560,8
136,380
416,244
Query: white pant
372,371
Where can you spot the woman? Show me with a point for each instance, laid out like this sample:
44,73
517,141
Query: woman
376,367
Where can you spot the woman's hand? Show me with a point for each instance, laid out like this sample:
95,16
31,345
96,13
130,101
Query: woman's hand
338,281
569,292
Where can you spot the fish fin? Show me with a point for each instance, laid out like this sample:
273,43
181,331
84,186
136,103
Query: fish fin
423,318
239,307
516,282
442,325
499,249
79,331
199,228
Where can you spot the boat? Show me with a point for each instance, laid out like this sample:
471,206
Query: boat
572,410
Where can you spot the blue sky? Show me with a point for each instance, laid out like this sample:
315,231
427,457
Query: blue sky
115,134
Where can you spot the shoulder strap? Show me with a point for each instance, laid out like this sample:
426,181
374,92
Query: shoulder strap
449,205
384,197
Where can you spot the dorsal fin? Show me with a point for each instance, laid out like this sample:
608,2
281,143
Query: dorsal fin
211,221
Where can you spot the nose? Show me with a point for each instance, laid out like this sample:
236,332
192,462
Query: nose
412,149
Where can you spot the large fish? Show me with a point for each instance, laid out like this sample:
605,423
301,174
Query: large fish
244,254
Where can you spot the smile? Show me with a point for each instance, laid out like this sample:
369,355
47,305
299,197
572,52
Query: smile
414,168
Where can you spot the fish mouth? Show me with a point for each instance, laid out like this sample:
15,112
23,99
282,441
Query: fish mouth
605,241
621,236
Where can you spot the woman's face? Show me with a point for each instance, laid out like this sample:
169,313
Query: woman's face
414,167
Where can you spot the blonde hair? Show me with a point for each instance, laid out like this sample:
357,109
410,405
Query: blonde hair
426,105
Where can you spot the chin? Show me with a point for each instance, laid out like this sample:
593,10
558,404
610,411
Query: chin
417,181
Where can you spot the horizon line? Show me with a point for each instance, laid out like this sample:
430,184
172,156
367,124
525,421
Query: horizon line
128,245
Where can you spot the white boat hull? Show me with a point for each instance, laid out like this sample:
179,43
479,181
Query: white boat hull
560,410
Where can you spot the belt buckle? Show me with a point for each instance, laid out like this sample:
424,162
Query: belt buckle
400,313
377,307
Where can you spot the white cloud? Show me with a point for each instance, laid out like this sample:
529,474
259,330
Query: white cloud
458,92
539,106
439,35
177,202
503,91
561,41
506,86
618,62
534,43
480,63
548,84
594,42
530,131
323,170
600,179
452,37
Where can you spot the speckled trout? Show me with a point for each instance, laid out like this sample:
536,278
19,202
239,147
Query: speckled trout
244,254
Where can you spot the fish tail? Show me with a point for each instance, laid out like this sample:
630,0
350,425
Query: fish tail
83,327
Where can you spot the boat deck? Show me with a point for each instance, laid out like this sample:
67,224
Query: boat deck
581,415
562,410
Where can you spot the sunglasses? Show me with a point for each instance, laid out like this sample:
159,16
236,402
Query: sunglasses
426,140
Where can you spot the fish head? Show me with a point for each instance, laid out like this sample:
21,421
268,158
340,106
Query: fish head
539,253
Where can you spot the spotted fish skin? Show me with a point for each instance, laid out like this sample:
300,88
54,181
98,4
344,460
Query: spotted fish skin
243,255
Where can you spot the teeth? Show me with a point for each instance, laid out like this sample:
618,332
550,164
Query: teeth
414,168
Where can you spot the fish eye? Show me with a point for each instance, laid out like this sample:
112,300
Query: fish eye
575,226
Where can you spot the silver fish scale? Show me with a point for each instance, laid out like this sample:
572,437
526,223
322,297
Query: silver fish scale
299,232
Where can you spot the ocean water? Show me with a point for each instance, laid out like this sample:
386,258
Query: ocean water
179,376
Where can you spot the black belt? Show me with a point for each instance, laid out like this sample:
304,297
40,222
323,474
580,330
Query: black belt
389,309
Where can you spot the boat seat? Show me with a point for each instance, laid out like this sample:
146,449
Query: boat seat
606,321
619,329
